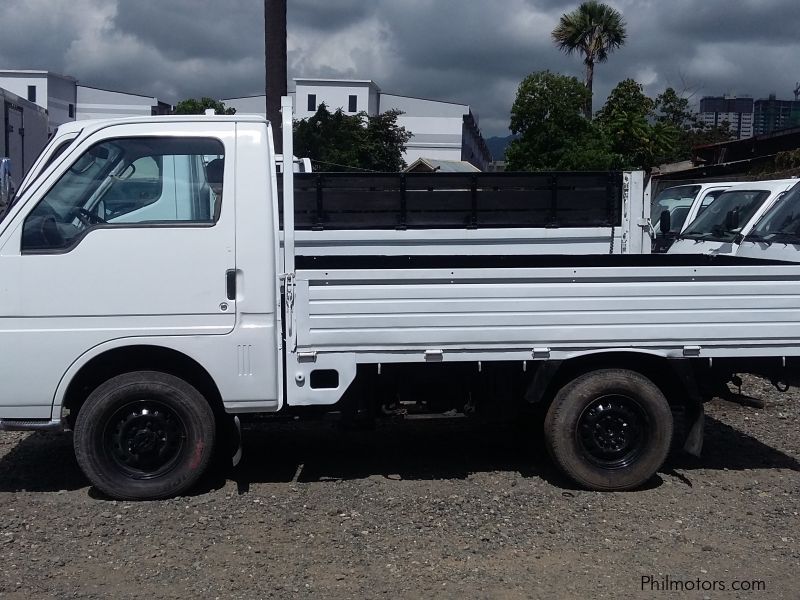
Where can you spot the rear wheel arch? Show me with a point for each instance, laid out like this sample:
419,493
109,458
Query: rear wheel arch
673,376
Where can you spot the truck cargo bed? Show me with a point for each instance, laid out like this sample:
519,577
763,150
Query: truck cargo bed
681,306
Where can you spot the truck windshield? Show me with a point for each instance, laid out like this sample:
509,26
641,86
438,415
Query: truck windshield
678,201
713,224
781,223
38,168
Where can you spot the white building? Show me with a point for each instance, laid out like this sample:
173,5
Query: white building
55,93
441,130
248,105
98,103
65,99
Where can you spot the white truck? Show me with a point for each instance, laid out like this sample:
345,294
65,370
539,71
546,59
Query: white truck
776,236
149,295
721,227
683,204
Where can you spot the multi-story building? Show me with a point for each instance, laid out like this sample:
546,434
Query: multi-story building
98,103
736,111
771,114
55,93
440,130
65,99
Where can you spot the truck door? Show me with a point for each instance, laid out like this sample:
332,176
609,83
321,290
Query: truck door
128,238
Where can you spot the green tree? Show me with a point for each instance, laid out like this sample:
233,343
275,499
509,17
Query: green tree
627,121
673,109
711,134
193,106
342,142
386,143
593,30
552,133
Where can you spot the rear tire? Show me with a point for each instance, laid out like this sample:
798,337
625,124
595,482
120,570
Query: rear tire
144,435
609,430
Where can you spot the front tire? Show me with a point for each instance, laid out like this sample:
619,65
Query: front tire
609,430
144,435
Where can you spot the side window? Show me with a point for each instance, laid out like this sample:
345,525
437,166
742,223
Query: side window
156,181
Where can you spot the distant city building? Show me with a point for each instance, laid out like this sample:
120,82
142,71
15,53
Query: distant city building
771,114
736,111
441,130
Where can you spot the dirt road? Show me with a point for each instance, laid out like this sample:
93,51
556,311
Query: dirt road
432,509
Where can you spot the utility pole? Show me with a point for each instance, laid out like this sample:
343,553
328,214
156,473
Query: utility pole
275,58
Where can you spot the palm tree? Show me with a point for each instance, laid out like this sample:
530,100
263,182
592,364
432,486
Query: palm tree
594,30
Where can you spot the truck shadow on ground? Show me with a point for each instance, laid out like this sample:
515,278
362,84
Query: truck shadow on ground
322,451
438,450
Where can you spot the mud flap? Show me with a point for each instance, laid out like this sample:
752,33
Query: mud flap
237,457
695,417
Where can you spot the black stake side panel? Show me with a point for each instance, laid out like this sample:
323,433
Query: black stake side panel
526,262
347,201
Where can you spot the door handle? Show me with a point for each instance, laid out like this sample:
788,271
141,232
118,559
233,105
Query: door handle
230,283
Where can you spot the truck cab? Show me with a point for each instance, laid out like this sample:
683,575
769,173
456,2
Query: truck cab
721,227
683,203
99,227
776,236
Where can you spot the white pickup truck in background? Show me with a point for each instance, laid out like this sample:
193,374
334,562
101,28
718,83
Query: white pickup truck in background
683,203
159,279
721,227
776,236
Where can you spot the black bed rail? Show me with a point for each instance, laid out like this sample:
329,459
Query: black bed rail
335,201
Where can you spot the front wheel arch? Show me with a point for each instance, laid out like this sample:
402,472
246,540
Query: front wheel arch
140,357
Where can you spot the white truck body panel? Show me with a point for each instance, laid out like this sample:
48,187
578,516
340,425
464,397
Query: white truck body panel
784,251
561,309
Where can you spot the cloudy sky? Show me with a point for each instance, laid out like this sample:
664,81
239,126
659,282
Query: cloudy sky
469,51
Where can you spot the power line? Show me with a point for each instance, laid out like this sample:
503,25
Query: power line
329,164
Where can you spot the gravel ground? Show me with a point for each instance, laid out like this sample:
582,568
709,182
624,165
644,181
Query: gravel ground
426,509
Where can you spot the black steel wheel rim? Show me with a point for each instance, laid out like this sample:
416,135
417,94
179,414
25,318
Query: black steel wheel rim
613,431
145,439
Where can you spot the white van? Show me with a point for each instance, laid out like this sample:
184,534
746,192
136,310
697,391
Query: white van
721,227
776,236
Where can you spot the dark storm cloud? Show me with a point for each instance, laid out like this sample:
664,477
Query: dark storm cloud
330,15
183,29
465,51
